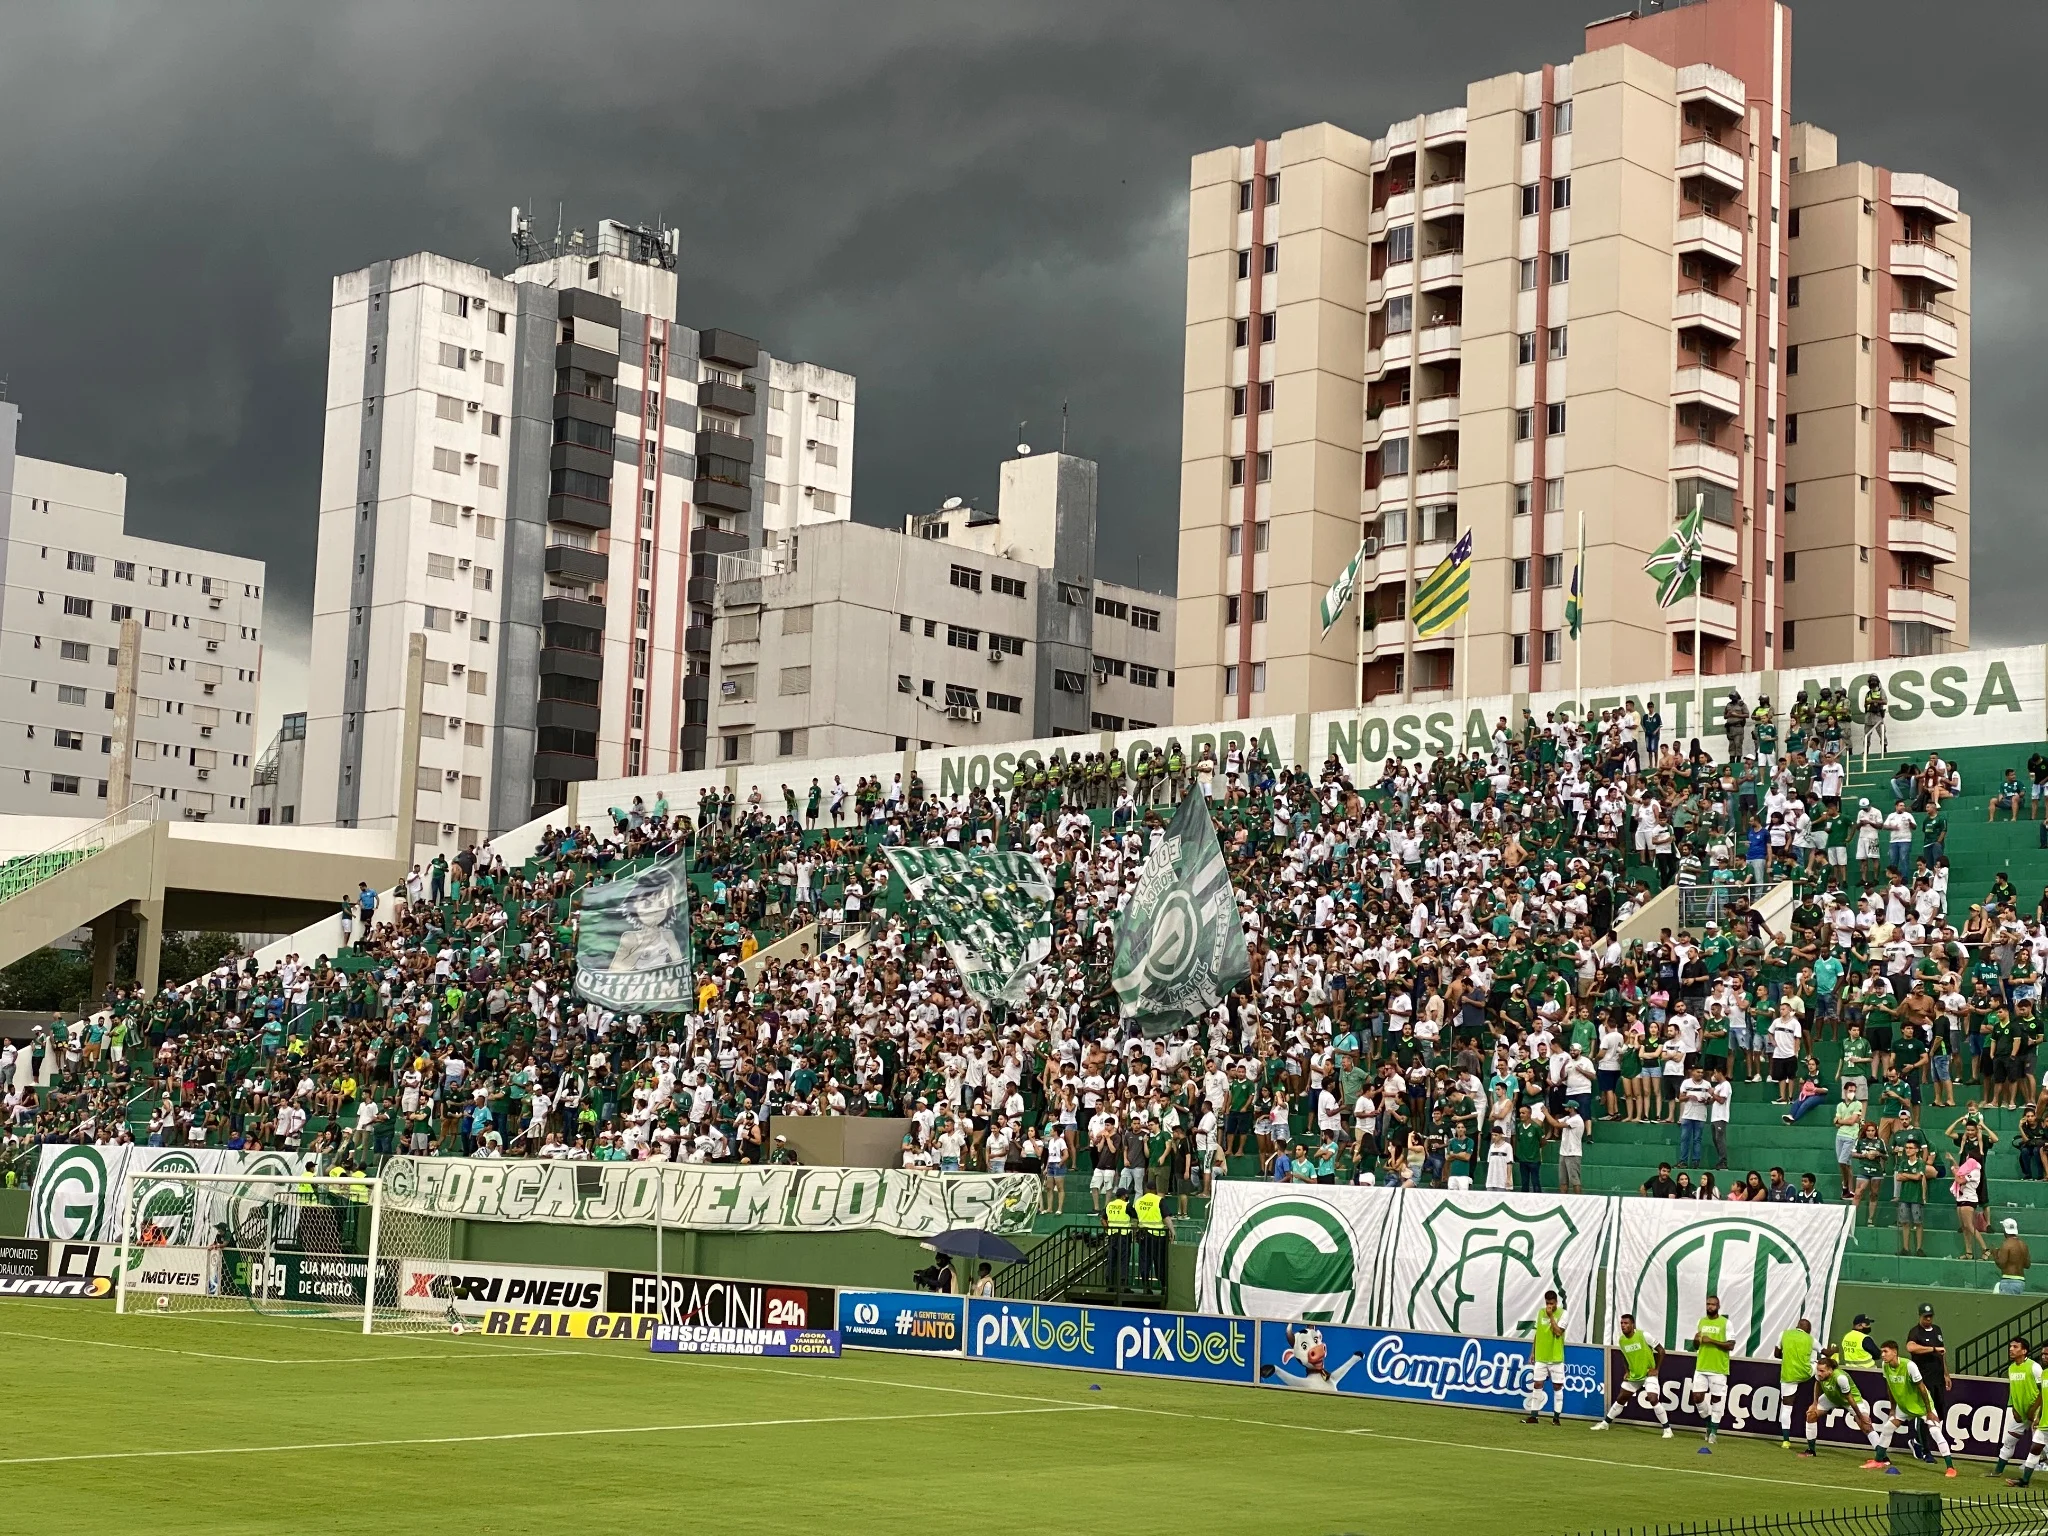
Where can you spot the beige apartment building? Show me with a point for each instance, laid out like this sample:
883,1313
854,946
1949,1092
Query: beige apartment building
1613,289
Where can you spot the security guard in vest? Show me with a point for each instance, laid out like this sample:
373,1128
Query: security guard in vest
1116,1220
1153,1236
1856,1344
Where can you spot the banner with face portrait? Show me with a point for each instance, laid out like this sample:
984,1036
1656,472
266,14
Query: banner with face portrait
633,941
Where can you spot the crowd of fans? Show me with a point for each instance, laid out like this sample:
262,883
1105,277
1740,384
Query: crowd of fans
1437,992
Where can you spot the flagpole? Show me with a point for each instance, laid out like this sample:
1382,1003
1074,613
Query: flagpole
1579,644
1699,658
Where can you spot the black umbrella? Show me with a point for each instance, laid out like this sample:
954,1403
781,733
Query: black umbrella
974,1243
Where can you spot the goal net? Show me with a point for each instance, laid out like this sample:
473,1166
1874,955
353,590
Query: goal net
282,1245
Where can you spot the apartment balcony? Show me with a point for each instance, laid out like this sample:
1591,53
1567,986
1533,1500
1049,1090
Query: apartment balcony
1438,343
1392,491
1396,351
1401,205
1700,385
1920,605
1692,457
1714,162
1704,82
1920,466
1925,260
1701,234
1439,413
1710,312
1387,637
1446,269
1923,397
1435,484
1717,618
1924,328
1912,190
1392,421
1398,278
1442,198
1923,536
1717,541
1447,126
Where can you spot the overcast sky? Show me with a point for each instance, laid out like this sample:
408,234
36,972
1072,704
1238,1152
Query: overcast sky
976,208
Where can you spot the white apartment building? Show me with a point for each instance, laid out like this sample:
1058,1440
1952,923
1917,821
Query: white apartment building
73,574
538,473
808,474
967,628
1586,290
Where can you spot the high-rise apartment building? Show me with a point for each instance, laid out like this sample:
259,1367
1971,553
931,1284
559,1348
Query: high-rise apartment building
966,628
1619,288
73,575
538,472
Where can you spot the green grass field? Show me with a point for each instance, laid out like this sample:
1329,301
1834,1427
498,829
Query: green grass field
217,1423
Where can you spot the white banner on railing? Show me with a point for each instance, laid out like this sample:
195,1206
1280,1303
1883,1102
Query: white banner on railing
1478,1262
79,1192
1284,1251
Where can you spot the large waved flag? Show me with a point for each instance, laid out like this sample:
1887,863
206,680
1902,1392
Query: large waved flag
1575,604
633,942
1341,590
1676,562
992,911
1445,593
1179,941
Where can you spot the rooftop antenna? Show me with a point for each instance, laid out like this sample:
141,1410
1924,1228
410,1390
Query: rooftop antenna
529,249
950,504
1023,448
1063,426
558,229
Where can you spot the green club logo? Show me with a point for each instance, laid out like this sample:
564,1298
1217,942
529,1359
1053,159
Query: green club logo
1176,941
1291,1258
1744,1264
265,1171
163,1201
1484,1265
71,1192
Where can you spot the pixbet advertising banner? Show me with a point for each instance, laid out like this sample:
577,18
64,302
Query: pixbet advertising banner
712,1302
713,1199
1418,1368
471,1290
1973,1420
1187,1346
917,1321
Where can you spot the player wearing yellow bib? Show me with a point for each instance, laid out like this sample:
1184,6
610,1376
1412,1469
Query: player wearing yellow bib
2022,1413
1711,1337
1795,1375
1835,1390
1643,1360
1546,1359
1912,1405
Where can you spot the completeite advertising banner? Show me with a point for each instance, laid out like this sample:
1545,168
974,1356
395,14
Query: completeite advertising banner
771,1343
1184,1345
1418,1367
917,1321
1973,1414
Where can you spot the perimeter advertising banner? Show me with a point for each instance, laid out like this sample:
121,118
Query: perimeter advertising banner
1185,1346
24,1256
1418,1367
772,1343
710,1301
1973,1417
920,1322
473,1289
710,1198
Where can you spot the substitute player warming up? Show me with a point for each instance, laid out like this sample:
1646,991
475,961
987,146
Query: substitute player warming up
1835,1388
1710,1349
1912,1405
1546,1360
2022,1414
1644,1360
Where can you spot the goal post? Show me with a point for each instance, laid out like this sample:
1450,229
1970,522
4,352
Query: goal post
306,1246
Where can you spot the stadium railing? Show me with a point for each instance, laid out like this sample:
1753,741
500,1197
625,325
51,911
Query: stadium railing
1904,1514
1084,1260
1985,1354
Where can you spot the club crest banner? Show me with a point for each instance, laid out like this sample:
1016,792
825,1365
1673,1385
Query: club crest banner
79,1192
1286,1251
993,912
710,1198
633,942
1477,1263
1179,941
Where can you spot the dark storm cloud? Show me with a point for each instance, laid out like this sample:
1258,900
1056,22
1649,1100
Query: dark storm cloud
978,209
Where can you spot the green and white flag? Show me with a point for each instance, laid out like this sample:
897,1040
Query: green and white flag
993,912
1340,591
1179,941
633,943
1676,562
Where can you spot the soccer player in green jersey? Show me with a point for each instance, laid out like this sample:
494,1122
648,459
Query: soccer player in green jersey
1912,1405
1546,1359
1643,1360
2022,1413
1836,1390
1795,1372
1710,1348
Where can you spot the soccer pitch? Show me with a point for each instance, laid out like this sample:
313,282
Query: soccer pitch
212,1423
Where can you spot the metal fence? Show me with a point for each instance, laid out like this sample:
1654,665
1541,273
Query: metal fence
1699,905
2017,1513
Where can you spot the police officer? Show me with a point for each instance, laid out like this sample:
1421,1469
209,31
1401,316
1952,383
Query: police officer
1926,1348
1874,733
1153,1234
1856,1353
1116,1220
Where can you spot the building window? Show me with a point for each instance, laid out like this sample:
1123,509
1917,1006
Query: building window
1232,610
792,743
74,561
1791,627
1716,502
1266,392
1561,118
1069,682
963,639
1526,273
1144,677
1522,502
1792,293
1525,420
1242,331
1519,574
958,697
1553,495
1552,644
931,629
1269,324
1148,618
1525,348
1400,314
1532,200
63,783
1006,703
1244,197
1258,607
1518,650
1237,400
1553,570
1272,258
1791,565
1230,682
1006,586
1560,267
967,577
1532,127
1265,467
124,570
1560,192
903,682
1272,189
1792,359
77,650
1557,343
1400,244
1244,264
1110,608
1237,471
1792,428
903,622
1236,542
1553,418
1258,677
78,607
1006,645
1792,233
